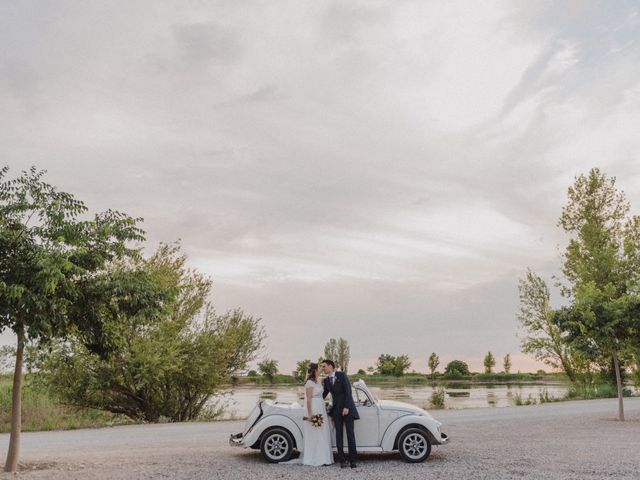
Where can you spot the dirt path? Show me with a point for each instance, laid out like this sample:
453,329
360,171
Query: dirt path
571,440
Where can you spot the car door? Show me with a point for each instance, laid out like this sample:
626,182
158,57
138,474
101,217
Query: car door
367,429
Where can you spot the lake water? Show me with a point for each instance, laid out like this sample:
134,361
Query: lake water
241,399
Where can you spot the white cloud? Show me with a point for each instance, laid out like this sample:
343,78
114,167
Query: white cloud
340,168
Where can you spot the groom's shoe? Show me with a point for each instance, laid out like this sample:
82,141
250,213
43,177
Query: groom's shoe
353,465
343,464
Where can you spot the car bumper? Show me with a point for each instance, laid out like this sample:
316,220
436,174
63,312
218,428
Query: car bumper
235,440
444,438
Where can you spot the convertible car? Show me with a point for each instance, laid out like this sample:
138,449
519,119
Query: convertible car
384,426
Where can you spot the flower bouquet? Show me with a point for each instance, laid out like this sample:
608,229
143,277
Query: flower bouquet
316,420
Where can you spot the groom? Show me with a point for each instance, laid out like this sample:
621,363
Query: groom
344,410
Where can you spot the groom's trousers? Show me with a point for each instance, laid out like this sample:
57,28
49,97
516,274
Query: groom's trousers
342,423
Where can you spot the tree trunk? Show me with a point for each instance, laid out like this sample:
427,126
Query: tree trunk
16,408
620,390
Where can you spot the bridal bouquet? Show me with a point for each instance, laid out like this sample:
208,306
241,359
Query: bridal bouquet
317,420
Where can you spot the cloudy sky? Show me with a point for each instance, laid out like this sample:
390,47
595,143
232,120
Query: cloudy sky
380,171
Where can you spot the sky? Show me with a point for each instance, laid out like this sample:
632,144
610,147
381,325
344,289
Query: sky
379,171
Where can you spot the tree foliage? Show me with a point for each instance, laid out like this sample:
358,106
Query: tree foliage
149,365
434,361
545,340
338,351
489,362
302,367
343,354
392,365
599,328
51,254
268,368
331,350
602,268
506,363
456,368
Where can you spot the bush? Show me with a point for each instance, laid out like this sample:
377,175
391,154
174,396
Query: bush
438,398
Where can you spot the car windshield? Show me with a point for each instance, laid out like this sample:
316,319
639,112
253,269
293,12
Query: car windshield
361,397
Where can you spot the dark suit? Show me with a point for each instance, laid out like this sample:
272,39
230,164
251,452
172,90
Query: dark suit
342,398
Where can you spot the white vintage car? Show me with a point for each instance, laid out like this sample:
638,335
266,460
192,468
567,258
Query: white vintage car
384,426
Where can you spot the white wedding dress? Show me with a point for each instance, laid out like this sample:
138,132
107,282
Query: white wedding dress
316,450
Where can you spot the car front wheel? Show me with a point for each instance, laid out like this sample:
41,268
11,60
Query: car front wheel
277,445
414,445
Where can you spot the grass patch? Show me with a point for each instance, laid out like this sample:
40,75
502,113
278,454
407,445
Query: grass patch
42,412
575,392
519,400
589,392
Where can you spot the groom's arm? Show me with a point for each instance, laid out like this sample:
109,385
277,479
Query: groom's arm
325,392
347,384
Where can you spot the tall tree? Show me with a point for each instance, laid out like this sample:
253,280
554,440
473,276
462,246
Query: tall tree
49,255
434,361
506,363
489,362
155,364
331,350
343,354
602,267
545,340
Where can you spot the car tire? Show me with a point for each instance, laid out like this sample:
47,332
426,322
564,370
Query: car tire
414,445
276,445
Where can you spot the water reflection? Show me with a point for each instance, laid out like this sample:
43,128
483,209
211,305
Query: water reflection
458,395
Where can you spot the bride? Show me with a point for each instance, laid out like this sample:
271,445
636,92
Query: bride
316,450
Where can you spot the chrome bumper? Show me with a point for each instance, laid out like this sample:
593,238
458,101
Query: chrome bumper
235,440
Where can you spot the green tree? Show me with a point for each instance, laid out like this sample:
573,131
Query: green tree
602,268
489,362
153,365
402,364
456,368
545,340
331,350
50,257
343,354
301,368
434,361
506,362
268,368
391,365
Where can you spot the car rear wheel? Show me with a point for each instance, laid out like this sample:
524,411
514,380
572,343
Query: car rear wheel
277,445
414,445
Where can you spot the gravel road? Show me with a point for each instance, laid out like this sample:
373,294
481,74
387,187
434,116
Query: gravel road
571,440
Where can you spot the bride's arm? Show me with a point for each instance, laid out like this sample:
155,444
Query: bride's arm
309,395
